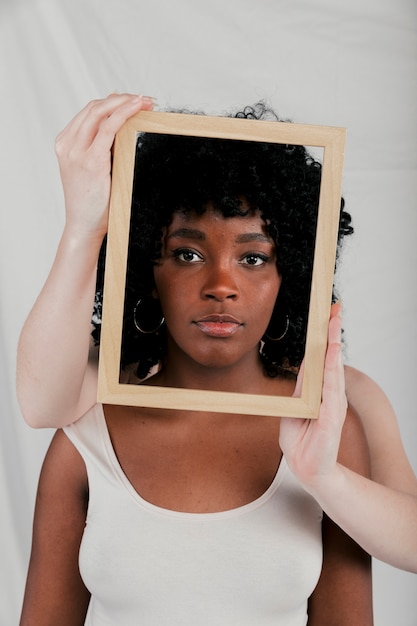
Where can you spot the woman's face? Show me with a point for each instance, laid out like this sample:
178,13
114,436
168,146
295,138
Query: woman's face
217,282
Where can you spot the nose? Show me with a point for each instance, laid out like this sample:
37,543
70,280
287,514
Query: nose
220,284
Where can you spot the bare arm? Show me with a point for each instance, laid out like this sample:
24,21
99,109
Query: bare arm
380,514
390,501
53,373
55,593
343,595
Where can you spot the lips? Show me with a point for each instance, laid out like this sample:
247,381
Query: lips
219,325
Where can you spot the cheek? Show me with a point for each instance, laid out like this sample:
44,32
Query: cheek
264,297
162,282
171,296
270,291
269,301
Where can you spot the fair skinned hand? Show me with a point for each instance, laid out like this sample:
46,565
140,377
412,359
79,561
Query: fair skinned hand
311,446
83,150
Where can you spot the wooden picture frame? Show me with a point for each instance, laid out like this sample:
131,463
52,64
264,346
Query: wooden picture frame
332,141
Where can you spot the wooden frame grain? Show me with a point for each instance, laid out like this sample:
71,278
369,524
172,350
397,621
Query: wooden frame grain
332,141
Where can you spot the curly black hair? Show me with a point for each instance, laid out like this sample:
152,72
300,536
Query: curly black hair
181,173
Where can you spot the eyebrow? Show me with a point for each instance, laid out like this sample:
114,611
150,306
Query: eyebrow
187,233
192,233
248,237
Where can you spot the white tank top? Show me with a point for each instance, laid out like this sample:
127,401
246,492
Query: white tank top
255,565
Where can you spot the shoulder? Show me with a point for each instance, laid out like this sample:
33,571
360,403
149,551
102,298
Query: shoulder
372,408
63,466
367,398
357,383
58,526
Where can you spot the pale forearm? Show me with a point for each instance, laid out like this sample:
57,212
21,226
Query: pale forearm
382,520
55,340
55,384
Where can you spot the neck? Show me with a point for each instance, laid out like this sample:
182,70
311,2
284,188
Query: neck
246,376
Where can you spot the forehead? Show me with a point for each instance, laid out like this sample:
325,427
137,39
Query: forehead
213,221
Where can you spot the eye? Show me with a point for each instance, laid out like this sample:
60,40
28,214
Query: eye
255,259
185,255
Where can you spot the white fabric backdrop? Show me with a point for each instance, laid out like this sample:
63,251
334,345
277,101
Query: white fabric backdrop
328,62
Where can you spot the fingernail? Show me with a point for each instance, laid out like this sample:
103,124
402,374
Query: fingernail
143,99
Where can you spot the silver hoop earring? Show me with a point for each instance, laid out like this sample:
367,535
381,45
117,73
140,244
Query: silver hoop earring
287,325
137,324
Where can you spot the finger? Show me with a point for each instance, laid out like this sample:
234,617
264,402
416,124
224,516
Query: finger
336,309
99,111
109,126
111,100
334,398
74,125
334,381
335,324
84,126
